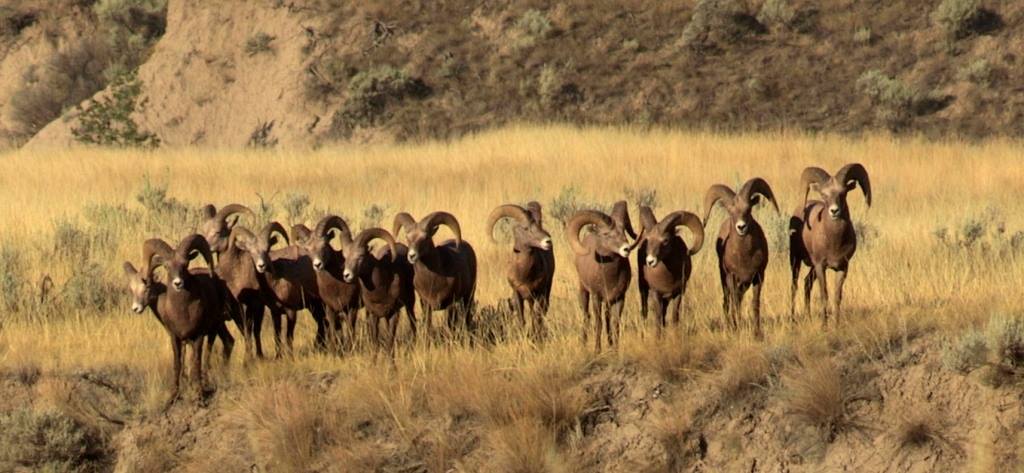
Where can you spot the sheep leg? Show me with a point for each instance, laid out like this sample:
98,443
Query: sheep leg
176,371
196,373
840,280
609,324
393,332
322,325
659,314
410,313
808,286
676,306
755,306
373,324
292,318
349,342
731,302
275,316
795,268
254,327
228,342
644,299
727,285
584,298
427,315
598,322
210,338
517,300
538,316
616,310
823,290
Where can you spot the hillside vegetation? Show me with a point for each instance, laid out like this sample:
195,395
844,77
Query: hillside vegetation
309,72
923,374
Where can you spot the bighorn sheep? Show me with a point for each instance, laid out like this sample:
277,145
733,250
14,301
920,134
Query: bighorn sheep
445,273
741,246
663,261
190,309
340,297
531,266
236,268
385,279
602,262
288,278
825,243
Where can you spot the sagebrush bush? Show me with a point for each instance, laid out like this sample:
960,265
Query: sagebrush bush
816,394
978,72
534,25
568,202
295,205
370,93
108,120
891,97
132,27
44,441
373,215
775,12
965,353
955,16
719,20
1005,334
259,43
983,233
863,35
642,196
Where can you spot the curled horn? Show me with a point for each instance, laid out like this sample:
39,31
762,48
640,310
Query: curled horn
402,220
855,172
300,232
209,211
506,211
364,237
688,220
155,247
432,221
324,226
195,243
647,219
535,211
756,186
812,175
620,214
270,229
240,233
580,220
231,209
716,193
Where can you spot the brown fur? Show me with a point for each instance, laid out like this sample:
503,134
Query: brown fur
385,279
341,299
664,262
531,265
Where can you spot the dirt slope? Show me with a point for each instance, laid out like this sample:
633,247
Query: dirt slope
333,70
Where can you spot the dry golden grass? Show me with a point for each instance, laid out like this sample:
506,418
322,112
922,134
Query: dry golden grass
902,281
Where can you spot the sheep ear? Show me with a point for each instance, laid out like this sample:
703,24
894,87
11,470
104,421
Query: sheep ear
209,211
272,240
233,221
130,270
755,200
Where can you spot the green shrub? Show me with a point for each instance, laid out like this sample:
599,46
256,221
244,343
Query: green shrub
259,43
568,202
985,233
295,205
373,215
1005,335
89,288
370,93
132,27
108,121
978,72
775,12
716,21
955,17
893,99
863,35
534,25
45,441
966,353
642,196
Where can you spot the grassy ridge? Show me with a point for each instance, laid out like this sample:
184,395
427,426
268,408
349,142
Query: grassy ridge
939,254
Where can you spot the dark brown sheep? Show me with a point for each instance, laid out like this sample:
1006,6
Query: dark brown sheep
445,273
385,279
822,233
236,268
190,309
741,246
602,263
531,265
288,277
341,299
664,262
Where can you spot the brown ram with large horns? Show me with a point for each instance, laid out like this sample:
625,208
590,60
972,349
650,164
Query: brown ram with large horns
741,246
236,268
190,309
385,279
445,273
340,297
822,234
531,266
288,277
602,263
664,261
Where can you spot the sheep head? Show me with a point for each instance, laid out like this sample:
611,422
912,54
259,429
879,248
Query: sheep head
259,247
610,232
420,235
217,224
527,230
357,250
157,252
141,289
660,235
834,189
317,242
739,205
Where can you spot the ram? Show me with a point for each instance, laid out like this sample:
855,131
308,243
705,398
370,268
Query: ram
741,246
340,298
235,267
385,279
288,279
602,263
664,262
444,274
531,265
822,234
191,309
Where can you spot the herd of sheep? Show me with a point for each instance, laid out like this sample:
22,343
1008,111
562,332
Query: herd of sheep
245,275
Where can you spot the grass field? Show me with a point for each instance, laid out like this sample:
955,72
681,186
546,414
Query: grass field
940,255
